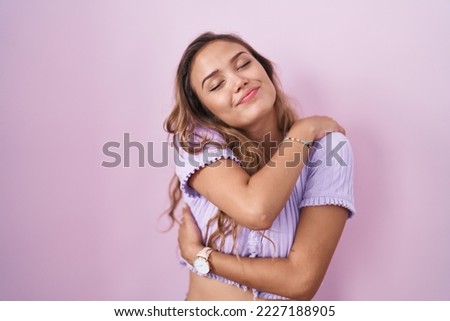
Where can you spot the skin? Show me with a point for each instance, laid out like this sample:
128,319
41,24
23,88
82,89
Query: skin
297,277
222,75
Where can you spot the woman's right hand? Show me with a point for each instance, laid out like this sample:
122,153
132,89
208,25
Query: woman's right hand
314,128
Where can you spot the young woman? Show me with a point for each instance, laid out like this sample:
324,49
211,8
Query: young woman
267,223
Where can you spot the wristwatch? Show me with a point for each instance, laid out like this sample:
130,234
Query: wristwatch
201,263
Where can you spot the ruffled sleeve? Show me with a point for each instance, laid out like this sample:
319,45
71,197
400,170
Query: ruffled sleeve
186,164
330,173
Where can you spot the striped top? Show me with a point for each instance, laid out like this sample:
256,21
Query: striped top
327,179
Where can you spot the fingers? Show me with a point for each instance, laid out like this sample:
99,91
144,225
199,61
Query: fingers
341,129
321,125
186,210
186,214
334,123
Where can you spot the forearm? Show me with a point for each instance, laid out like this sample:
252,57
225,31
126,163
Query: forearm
253,201
269,189
299,275
273,275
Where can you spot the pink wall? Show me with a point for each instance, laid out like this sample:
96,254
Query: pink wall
77,75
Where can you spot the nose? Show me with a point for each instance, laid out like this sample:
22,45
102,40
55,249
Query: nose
240,82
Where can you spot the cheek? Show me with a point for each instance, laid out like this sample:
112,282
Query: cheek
218,104
271,89
269,82
274,92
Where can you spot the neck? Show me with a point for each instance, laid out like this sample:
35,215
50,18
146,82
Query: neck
268,135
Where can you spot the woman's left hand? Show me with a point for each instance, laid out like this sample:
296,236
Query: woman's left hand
189,237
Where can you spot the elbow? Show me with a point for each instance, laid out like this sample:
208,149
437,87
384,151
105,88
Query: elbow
304,289
304,295
258,218
262,222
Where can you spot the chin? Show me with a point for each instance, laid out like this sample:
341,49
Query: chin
253,120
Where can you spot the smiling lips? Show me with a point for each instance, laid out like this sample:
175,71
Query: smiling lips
248,95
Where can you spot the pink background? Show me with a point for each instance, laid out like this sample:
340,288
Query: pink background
75,75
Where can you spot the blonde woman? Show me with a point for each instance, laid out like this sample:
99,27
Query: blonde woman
265,220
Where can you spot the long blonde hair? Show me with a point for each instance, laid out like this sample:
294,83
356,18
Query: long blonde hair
189,112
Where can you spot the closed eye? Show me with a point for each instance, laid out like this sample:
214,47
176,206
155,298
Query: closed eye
244,65
217,86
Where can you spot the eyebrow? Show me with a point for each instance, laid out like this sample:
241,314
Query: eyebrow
236,56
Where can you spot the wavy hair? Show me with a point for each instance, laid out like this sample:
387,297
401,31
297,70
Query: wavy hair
189,112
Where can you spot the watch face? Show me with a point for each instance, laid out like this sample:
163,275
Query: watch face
201,266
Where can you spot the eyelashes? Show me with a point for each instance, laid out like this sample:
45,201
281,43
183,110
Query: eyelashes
215,87
244,65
